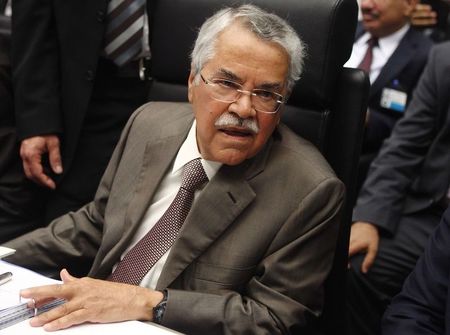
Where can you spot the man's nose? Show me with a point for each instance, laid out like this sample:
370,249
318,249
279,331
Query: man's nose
367,3
243,106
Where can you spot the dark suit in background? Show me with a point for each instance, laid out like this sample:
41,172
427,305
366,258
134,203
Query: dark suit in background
423,305
18,202
401,73
405,191
63,86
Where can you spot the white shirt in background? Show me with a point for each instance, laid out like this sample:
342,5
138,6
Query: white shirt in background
381,54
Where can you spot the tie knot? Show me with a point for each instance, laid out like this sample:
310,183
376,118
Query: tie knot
372,42
193,175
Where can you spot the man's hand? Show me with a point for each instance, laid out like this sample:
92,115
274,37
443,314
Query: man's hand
364,237
423,16
32,150
91,300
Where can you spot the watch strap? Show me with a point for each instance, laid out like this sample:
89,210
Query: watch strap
160,308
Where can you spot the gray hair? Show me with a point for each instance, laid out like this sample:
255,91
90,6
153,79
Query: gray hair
266,26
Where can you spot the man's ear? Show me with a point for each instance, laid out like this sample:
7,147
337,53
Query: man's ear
191,85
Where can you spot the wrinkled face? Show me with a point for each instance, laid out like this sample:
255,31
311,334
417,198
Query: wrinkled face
255,64
384,17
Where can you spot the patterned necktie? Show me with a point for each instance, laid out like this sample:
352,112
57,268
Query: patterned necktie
140,259
367,59
125,29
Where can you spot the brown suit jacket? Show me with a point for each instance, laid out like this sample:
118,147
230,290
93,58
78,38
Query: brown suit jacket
254,250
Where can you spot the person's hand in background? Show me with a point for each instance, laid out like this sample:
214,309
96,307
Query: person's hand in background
423,16
32,151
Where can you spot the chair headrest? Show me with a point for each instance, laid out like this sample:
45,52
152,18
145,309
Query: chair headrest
326,26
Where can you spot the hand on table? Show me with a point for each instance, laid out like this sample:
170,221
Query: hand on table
91,300
364,237
32,150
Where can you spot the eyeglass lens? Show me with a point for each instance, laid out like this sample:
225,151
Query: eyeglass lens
229,91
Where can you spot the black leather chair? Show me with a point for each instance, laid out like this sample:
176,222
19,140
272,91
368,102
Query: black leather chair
326,107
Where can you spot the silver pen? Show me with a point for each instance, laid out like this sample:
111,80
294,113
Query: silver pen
5,277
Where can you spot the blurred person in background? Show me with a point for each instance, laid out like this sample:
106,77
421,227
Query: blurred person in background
402,200
79,69
393,54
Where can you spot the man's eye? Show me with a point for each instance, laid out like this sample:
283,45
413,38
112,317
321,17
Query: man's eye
266,95
227,84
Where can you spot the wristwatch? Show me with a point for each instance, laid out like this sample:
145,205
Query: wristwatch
158,310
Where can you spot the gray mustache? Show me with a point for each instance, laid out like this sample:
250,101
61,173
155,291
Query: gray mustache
232,120
373,14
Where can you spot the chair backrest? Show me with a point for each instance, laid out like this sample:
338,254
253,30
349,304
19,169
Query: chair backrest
326,107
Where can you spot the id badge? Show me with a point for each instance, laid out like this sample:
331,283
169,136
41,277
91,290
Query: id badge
393,99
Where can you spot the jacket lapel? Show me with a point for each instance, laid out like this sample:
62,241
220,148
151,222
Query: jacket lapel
157,159
395,64
218,206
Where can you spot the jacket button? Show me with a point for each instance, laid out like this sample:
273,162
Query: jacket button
89,75
100,16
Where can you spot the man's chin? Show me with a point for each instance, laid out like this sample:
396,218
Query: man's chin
371,27
231,157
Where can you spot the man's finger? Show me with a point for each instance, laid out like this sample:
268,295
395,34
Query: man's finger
54,155
42,179
74,318
39,302
44,292
52,315
26,169
38,175
36,172
66,276
368,260
352,250
355,248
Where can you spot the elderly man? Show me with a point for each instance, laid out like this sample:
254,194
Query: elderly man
246,259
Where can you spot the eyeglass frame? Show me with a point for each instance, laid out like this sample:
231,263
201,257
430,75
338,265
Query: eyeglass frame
251,93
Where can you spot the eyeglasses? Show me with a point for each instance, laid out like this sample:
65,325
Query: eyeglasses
225,90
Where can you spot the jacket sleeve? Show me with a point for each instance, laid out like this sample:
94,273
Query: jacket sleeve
398,163
72,240
421,307
35,68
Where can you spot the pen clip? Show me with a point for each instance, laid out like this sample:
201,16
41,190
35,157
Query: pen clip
5,277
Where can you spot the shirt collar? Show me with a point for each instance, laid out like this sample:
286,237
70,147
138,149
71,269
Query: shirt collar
189,151
388,43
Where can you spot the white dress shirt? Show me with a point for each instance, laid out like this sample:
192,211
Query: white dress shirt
164,196
381,54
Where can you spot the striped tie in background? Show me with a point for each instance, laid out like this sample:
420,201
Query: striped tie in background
125,26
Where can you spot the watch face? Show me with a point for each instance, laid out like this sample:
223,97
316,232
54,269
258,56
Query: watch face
158,310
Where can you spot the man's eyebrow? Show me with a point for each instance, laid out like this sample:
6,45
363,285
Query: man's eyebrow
226,74
270,86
